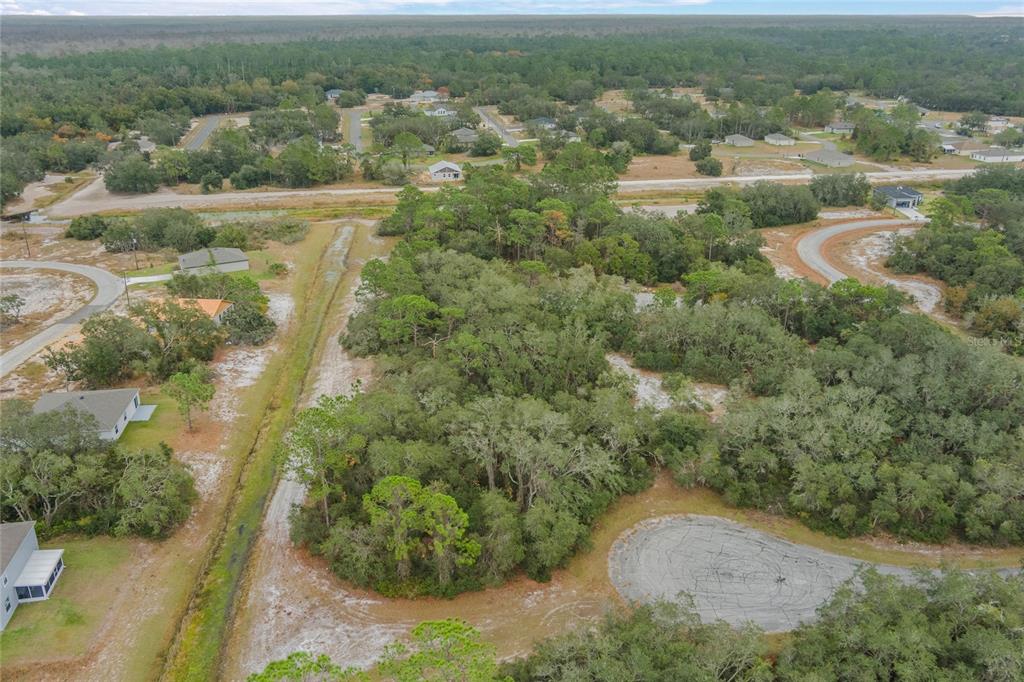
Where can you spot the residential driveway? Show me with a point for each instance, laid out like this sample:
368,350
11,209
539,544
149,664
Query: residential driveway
108,288
204,129
809,246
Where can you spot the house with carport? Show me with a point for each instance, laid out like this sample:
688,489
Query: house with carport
27,573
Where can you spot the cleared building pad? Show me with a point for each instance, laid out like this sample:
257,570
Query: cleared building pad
733,572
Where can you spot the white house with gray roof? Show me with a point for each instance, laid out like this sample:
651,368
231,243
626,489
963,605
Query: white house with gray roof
998,155
445,170
216,259
739,141
27,573
465,135
779,140
113,408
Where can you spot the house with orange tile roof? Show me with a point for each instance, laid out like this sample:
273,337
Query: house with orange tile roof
213,307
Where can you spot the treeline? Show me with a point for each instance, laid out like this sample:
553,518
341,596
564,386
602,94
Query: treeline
975,243
949,625
57,471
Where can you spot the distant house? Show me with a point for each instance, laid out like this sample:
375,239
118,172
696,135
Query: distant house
996,124
829,158
465,135
216,259
113,408
739,141
213,307
840,127
424,96
333,94
998,155
440,111
542,122
962,146
779,140
445,170
898,196
27,573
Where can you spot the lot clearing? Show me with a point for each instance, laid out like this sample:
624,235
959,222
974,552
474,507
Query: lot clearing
49,296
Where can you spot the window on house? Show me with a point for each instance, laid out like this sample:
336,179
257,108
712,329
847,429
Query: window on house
23,592
37,591
7,603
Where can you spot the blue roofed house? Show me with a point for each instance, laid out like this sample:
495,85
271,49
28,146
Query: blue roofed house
28,573
898,196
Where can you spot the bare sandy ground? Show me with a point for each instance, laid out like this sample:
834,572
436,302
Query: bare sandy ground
733,572
49,296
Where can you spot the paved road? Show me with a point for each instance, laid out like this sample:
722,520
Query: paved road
354,127
108,288
494,124
196,138
809,245
94,197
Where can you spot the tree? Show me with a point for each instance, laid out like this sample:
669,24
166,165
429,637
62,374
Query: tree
246,324
700,150
112,348
517,157
154,493
301,666
486,144
840,189
87,227
407,146
10,308
192,390
404,317
132,174
393,506
182,335
447,650
445,524
211,182
321,444
709,166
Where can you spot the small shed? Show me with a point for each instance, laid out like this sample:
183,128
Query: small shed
445,170
113,408
216,259
779,140
739,141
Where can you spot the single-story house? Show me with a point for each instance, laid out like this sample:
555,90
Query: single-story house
898,196
440,111
542,122
424,96
829,158
113,408
996,124
445,170
333,94
841,127
213,307
465,135
27,573
998,155
739,141
964,146
779,140
216,259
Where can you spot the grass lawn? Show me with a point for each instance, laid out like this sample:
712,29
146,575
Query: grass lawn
162,269
163,426
66,623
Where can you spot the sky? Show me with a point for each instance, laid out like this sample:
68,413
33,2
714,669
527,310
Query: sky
483,7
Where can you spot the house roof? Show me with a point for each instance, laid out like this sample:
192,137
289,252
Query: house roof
11,537
107,406
444,165
738,138
38,568
898,192
995,151
211,306
219,255
827,156
465,134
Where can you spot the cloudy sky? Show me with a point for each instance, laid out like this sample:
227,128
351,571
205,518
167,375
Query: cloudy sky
323,7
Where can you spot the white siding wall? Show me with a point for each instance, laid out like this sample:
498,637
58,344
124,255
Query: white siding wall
7,593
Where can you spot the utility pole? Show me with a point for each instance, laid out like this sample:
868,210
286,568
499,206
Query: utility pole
135,251
127,296
24,235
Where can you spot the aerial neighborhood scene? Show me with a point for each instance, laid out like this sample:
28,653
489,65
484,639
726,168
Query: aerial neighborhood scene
534,342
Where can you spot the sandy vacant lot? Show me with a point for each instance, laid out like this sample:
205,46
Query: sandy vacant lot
49,296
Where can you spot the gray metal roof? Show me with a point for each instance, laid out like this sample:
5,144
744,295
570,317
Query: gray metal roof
444,165
828,157
898,192
107,406
736,137
218,255
11,537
